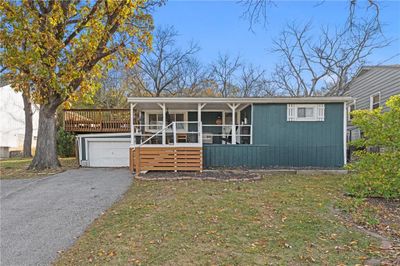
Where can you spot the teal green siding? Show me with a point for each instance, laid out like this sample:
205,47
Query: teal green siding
278,143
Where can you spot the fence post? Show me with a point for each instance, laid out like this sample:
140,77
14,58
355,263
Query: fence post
137,161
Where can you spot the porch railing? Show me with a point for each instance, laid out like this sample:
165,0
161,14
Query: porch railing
176,134
186,132
97,120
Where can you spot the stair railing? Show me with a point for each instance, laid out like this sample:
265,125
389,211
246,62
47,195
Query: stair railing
136,148
152,136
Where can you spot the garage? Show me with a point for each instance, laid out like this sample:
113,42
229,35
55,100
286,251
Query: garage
104,150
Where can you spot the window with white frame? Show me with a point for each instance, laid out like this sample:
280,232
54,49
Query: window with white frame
155,120
375,101
178,118
305,112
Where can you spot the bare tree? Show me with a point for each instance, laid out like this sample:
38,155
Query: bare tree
256,11
253,83
192,78
327,64
223,71
159,69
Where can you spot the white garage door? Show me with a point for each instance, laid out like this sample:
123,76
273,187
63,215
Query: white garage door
108,153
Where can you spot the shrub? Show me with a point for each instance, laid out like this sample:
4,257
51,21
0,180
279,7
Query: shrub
65,143
377,174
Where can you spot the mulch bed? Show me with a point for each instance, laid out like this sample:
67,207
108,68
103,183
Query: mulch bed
221,175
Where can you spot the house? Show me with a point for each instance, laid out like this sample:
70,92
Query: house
192,134
370,88
12,121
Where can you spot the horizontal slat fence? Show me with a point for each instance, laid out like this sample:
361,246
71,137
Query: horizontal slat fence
166,159
97,120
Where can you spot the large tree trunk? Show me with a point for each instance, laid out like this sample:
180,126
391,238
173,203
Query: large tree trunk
27,151
46,147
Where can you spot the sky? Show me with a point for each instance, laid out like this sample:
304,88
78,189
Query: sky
218,27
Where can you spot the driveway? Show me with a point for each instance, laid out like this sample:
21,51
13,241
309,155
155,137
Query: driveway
40,217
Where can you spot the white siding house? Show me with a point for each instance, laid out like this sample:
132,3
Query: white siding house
12,121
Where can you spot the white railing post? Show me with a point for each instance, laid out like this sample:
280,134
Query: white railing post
200,132
133,140
174,132
251,132
233,108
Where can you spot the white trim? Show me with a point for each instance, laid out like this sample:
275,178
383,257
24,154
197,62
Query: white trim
349,111
233,107
239,100
79,148
252,119
132,130
344,133
371,100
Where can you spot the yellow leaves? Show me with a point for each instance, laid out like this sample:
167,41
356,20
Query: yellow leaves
67,105
34,45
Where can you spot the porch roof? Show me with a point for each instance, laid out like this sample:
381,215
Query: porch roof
218,103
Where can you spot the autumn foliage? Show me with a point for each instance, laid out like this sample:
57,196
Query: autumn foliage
377,174
59,50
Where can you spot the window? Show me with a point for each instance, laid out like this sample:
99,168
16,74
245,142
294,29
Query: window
155,121
350,109
178,118
305,112
375,101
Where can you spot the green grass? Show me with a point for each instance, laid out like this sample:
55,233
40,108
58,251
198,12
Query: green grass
16,168
278,220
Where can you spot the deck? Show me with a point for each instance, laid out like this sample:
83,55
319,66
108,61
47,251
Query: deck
97,120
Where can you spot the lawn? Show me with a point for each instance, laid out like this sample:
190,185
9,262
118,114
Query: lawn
17,168
280,219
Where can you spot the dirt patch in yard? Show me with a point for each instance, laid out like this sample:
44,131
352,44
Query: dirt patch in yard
223,175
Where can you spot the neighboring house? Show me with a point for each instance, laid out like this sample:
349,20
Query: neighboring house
12,121
190,134
370,88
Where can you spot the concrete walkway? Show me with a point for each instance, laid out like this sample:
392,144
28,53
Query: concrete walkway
40,217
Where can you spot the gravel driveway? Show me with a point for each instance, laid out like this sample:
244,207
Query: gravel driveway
40,217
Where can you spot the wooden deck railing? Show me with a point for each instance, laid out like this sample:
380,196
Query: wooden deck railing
97,120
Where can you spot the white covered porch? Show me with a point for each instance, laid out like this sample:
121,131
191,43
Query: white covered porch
190,121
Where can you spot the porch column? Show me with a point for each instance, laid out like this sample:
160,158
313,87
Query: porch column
164,121
133,139
199,123
233,108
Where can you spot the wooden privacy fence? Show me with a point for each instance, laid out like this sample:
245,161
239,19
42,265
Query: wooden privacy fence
97,120
166,159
